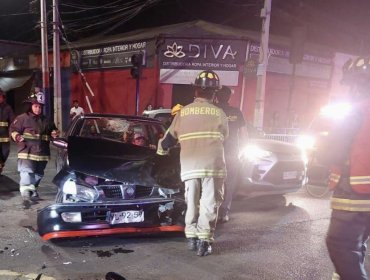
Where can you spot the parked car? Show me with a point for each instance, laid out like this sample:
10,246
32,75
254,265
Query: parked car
267,167
109,184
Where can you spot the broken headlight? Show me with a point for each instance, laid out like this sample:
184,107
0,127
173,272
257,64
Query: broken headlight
75,192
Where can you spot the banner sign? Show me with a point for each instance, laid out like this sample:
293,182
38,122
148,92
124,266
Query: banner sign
312,66
284,53
179,57
107,57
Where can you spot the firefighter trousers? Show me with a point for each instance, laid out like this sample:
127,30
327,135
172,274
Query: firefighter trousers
346,242
232,167
4,152
31,172
203,197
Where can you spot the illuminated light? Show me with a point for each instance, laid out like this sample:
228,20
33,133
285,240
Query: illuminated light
337,110
53,214
70,187
56,227
72,217
305,142
253,152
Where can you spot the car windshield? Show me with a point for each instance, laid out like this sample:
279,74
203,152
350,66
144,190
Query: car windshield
130,131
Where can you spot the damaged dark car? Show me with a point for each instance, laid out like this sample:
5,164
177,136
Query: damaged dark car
111,181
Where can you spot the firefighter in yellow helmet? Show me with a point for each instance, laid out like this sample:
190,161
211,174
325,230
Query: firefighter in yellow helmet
346,149
200,128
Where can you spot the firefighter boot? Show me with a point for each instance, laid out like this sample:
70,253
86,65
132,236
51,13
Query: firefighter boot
35,195
26,192
193,243
204,248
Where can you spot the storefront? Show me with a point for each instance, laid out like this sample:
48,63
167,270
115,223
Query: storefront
98,72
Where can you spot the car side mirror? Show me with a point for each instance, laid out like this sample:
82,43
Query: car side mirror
60,143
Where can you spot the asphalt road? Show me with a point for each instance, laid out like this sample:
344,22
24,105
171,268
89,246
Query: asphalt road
266,238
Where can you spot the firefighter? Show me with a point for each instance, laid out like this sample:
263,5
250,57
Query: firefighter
346,149
236,124
6,117
200,128
32,132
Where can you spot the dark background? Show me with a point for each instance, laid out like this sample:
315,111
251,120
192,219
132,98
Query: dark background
340,24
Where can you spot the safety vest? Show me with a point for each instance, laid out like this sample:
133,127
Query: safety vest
359,157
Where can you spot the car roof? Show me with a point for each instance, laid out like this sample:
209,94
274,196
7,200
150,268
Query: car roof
128,117
156,111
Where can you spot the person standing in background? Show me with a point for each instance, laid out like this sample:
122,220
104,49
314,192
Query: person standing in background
236,124
76,110
6,117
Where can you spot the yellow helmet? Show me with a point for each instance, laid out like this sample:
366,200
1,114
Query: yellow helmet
175,109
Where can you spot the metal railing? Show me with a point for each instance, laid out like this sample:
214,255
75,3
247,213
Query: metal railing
290,138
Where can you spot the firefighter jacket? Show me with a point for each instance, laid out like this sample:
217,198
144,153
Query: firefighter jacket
200,128
347,151
36,131
6,117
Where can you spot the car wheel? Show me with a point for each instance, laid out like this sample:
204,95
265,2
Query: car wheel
317,191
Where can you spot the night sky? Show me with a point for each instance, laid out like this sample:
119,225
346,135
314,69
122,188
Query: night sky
340,24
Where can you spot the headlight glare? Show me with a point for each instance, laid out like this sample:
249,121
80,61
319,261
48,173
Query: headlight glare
305,142
253,152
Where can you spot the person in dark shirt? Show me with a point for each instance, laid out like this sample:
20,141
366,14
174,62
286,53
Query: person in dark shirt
236,123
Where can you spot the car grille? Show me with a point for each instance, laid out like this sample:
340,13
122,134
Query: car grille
275,174
116,191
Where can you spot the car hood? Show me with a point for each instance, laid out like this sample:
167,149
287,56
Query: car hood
275,146
118,161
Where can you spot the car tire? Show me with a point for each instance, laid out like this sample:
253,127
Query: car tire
317,191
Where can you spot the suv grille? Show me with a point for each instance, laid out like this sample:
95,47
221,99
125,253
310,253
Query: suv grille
118,191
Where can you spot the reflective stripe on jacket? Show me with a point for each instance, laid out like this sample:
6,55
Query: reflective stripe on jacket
6,117
201,128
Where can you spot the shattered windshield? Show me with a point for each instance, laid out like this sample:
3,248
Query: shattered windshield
134,132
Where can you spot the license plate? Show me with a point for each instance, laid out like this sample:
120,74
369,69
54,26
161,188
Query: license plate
125,217
290,175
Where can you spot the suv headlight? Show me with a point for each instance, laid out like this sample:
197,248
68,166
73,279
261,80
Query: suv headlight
253,153
78,193
305,142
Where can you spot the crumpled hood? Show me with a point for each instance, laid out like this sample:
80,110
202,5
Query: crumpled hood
118,161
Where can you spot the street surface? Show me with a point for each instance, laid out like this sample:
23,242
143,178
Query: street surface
266,238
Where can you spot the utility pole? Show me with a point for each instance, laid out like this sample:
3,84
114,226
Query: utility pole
56,65
262,65
44,55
